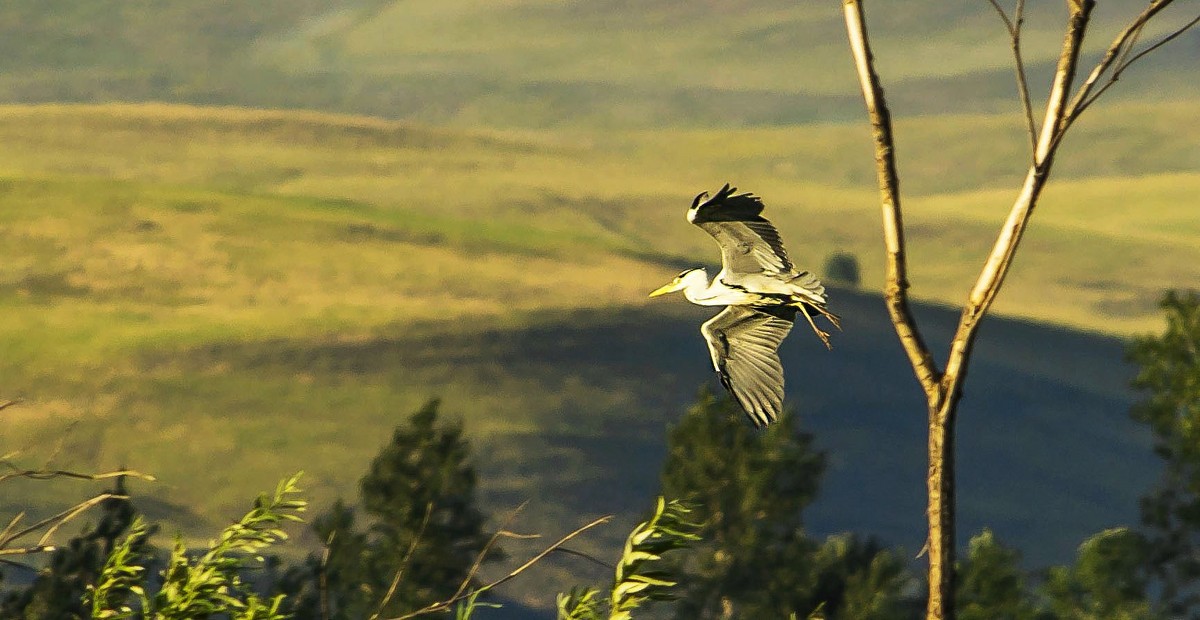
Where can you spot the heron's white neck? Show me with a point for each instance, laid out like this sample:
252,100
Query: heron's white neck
696,287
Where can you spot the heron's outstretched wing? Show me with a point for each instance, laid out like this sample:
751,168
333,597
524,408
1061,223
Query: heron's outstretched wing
749,243
743,343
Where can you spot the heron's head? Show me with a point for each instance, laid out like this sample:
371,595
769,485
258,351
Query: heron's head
691,277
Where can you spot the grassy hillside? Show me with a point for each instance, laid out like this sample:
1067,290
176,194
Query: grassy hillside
249,293
224,295
531,63
585,197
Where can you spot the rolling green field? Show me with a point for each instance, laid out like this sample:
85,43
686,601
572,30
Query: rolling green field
224,296
535,63
243,239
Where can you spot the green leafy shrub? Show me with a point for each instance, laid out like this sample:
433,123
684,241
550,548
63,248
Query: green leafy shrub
641,577
204,585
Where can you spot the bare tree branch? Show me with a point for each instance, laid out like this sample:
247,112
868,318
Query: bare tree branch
940,475
943,390
412,548
896,292
1014,34
449,603
12,526
479,559
1123,64
323,581
1082,98
47,474
991,277
50,525
1129,45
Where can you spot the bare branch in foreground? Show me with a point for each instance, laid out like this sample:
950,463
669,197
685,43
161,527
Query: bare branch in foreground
323,580
48,526
943,390
449,603
391,591
47,474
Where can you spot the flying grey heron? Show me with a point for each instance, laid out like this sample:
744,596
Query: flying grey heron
762,292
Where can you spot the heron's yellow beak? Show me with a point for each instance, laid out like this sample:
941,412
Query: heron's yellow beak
670,287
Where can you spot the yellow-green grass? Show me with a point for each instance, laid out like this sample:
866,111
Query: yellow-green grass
769,45
532,63
549,196
176,280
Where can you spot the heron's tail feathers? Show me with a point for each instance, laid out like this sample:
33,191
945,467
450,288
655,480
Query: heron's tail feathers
807,285
809,294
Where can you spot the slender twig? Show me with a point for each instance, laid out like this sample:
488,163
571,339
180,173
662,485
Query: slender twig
1082,97
1014,34
46,474
12,525
50,525
11,403
412,548
30,550
16,564
1120,67
1008,24
487,548
1128,47
450,602
323,576
587,556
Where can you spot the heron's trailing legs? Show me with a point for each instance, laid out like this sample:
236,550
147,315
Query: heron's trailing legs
822,334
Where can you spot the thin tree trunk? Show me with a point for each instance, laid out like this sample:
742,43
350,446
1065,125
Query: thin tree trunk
943,390
940,514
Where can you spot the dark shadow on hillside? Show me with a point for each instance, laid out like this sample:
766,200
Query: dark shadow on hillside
1047,453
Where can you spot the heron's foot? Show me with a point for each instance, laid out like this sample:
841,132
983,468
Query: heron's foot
833,318
822,334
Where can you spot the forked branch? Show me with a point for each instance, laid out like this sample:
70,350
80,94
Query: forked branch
943,390
462,594
1118,59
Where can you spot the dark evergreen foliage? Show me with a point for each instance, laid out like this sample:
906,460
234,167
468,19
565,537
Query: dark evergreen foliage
419,490
991,584
755,560
1109,580
57,591
1169,376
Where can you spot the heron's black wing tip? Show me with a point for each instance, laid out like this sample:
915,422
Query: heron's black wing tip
726,206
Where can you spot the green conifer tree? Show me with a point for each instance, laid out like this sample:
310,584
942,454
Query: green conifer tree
1109,581
1169,375
754,559
419,508
991,584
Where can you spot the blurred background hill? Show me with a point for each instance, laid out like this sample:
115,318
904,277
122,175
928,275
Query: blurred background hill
240,239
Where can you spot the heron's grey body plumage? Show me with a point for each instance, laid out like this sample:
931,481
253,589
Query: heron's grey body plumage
762,291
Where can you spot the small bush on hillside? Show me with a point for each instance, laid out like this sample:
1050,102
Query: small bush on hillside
842,268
